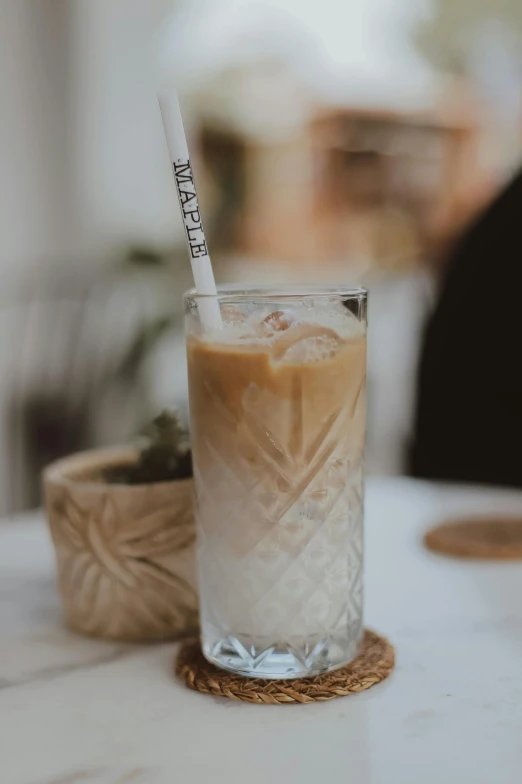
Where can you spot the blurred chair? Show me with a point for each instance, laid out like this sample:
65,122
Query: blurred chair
71,352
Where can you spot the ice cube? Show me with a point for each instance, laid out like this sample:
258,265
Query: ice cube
336,316
307,343
312,350
232,316
278,321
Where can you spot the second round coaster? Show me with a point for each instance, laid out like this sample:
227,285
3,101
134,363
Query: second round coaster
478,537
374,663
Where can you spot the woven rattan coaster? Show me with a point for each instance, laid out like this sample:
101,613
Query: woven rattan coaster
373,664
479,537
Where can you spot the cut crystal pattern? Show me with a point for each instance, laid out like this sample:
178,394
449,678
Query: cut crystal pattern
280,529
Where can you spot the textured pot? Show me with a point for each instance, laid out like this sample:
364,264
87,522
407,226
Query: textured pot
125,554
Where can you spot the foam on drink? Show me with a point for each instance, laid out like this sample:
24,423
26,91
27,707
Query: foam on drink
322,332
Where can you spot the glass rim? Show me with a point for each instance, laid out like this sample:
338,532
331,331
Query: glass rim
271,291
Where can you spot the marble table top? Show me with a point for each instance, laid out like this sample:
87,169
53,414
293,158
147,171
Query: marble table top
78,711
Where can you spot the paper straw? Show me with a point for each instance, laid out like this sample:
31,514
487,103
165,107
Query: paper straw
209,311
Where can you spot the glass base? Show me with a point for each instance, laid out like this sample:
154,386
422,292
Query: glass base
281,660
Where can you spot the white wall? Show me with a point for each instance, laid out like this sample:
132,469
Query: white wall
82,157
35,216
123,182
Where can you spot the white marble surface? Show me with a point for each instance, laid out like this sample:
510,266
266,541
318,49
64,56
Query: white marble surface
80,711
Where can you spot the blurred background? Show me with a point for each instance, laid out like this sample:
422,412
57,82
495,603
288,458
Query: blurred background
347,141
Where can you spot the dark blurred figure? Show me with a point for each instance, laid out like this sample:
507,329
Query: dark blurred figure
469,407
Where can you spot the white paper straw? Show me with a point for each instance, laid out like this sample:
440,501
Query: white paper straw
209,311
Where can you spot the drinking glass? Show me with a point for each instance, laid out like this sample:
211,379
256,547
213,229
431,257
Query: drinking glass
277,407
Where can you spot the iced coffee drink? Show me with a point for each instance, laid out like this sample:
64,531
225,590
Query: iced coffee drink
277,403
